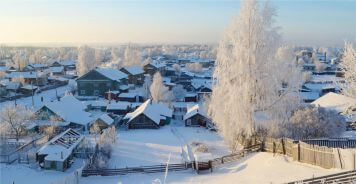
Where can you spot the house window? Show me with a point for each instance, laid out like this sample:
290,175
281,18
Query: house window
108,84
82,92
96,92
96,85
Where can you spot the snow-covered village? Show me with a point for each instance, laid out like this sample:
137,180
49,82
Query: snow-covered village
156,92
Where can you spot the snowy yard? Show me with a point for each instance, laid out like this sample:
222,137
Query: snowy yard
258,168
23,174
152,147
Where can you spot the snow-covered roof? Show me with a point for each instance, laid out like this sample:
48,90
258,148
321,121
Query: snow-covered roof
61,146
319,87
124,87
337,102
158,63
27,75
118,105
58,78
13,85
152,110
198,83
134,70
111,73
56,69
70,109
325,79
191,95
106,118
37,65
66,63
29,87
196,109
309,95
128,95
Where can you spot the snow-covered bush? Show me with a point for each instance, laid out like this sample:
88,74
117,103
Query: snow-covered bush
199,147
313,122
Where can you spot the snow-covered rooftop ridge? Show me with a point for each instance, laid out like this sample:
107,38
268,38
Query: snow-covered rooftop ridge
128,95
111,73
70,109
193,110
337,102
28,75
66,62
152,110
105,118
121,105
134,70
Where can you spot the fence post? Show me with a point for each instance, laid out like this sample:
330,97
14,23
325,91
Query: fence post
211,166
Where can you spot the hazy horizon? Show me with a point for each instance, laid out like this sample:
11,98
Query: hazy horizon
110,22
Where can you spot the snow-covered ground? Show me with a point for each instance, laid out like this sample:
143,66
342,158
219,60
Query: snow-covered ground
152,147
47,96
257,168
23,174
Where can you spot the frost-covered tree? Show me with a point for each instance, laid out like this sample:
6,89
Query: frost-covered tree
132,56
99,56
246,81
194,67
314,122
176,68
159,92
349,65
307,76
178,92
146,86
13,119
319,67
86,60
20,60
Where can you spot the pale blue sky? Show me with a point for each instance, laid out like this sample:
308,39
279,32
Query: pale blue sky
303,22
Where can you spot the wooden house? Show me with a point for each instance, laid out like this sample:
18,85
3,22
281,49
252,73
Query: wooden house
191,97
99,81
67,109
135,74
103,121
196,116
149,115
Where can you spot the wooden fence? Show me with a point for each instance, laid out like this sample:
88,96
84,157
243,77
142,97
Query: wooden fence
333,143
343,177
196,165
306,153
142,169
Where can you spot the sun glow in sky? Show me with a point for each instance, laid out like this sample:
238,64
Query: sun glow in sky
303,22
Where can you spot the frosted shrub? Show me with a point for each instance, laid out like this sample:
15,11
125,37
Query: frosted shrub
313,122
